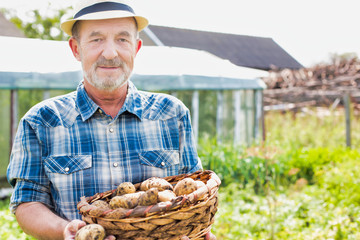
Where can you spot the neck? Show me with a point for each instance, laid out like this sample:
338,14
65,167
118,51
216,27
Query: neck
109,101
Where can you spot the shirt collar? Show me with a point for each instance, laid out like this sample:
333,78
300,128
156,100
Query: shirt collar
133,102
87,107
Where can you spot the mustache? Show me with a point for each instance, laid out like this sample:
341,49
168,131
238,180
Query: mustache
115,62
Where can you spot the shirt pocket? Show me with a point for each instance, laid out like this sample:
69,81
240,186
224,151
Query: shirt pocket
67,164
159,163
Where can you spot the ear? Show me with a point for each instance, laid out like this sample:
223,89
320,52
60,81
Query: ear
138,45
74,45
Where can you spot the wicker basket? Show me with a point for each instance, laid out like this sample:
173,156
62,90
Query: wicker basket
190,215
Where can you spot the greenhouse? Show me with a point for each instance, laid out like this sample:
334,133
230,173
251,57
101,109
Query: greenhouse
225,100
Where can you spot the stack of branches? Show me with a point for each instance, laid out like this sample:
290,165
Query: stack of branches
321,85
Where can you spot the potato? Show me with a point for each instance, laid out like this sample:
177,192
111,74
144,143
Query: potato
150,197
185,186
125,188
156,182
90,232
166,195
199,184
129,200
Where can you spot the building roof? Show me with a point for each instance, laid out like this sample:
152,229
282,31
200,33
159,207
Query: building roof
246,51
7,28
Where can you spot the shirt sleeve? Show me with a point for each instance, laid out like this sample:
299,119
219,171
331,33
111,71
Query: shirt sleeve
26,171
189,160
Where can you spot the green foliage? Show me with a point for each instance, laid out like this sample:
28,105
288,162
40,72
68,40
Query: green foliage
342,181
317,128
312,191
296,215
255,166
27,99
43,27
285,189
9,228
307,162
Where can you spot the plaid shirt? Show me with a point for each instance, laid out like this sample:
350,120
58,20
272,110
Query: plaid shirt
67,147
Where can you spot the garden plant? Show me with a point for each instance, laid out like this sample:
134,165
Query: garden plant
302,182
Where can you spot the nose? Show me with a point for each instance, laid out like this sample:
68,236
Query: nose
109,51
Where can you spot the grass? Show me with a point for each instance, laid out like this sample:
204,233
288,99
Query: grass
290,215
316,128
302,183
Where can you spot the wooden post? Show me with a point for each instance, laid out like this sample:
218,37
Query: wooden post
174,93
13,115
249,116
237,124
258,114
347,119
263,118
46,94
219,115
195,114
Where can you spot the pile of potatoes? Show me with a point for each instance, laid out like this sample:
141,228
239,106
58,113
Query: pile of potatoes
151,191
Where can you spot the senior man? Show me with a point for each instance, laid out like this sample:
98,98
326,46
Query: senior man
104,133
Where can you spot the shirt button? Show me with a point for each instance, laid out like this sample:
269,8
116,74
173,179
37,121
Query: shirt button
115,164
67,169
111,130
100,111
162,164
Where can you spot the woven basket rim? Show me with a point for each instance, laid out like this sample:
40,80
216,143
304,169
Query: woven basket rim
166,214
198,198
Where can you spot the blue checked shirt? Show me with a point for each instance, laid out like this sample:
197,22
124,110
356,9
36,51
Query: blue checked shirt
66,147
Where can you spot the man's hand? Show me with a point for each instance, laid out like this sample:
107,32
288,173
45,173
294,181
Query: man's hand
71,229
210,236
74,226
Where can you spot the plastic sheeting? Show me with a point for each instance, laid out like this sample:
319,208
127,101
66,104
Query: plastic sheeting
43,64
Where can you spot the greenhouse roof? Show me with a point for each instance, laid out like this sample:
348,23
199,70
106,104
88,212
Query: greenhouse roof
43,64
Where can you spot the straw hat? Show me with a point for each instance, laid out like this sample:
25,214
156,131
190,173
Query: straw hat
101,9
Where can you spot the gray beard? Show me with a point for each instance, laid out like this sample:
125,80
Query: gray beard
107,83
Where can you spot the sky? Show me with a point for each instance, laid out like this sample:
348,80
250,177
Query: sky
309,30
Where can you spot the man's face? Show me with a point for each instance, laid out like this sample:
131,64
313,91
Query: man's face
106,49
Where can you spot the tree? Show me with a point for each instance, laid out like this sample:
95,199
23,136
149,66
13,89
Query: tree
42,27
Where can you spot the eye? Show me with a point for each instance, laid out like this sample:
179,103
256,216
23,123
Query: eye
122,40
95,39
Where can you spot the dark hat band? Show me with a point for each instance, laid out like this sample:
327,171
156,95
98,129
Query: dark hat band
104,6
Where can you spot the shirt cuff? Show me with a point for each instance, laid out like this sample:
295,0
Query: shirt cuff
28,191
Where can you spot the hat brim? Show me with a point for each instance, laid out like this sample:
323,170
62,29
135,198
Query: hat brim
67,25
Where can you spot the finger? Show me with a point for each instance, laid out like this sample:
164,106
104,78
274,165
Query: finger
110,237
72,227
75,225
207,236
210,236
